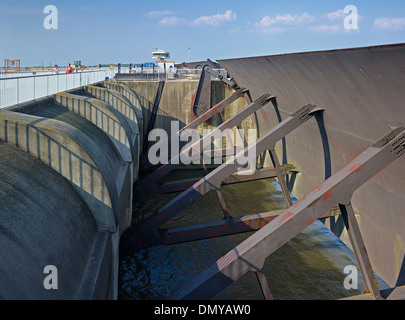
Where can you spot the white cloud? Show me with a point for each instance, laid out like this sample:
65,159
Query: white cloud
159,14
389,23
328,23
171,21
287,19
337,15
215,20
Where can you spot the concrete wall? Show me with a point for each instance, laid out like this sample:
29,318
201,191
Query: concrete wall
177,100
43,222
67,167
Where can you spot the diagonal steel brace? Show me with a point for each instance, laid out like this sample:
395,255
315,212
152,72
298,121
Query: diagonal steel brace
202,100
146,233
217,109
264,173
149,184
250,255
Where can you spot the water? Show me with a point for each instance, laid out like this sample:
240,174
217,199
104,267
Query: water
309,267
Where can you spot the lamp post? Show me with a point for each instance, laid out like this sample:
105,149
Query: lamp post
188,54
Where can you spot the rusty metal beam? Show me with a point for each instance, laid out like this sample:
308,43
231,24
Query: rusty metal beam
146,232
265,173
281,178
202,100
360,250
250,255
217,109
216,229
264,285
149,184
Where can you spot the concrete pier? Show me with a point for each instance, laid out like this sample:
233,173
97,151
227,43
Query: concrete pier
67,165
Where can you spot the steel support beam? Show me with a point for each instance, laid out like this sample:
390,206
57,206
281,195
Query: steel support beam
202,100
149,184
250,255
218,228
360,250
265,173
146,233
281,178
264,285
217,109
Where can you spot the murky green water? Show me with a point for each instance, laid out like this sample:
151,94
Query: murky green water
309,267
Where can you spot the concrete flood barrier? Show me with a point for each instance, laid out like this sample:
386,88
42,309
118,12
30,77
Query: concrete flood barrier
68,163
67,167
81,151
346,148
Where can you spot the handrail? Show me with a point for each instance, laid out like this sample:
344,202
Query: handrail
52,74
15,90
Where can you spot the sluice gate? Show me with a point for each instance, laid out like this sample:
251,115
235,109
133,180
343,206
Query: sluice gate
331,198
328,127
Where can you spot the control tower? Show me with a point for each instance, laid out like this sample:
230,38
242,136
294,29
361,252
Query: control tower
160,55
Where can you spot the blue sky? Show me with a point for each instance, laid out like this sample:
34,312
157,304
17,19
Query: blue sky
127,31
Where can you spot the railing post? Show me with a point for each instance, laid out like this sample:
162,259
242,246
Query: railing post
18,90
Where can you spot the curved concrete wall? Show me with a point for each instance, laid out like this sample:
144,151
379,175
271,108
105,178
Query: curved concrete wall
67,167
121,103
43,222
362,92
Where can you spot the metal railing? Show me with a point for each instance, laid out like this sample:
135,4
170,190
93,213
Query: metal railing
21,89
160,74
24,74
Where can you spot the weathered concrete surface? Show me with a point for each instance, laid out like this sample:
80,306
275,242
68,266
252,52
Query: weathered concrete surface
104,117
125,91
110,121
77,187
362,92
177,101
43,221
63,149
120,103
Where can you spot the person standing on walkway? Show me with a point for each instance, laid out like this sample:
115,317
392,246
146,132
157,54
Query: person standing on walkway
69,69
55,70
